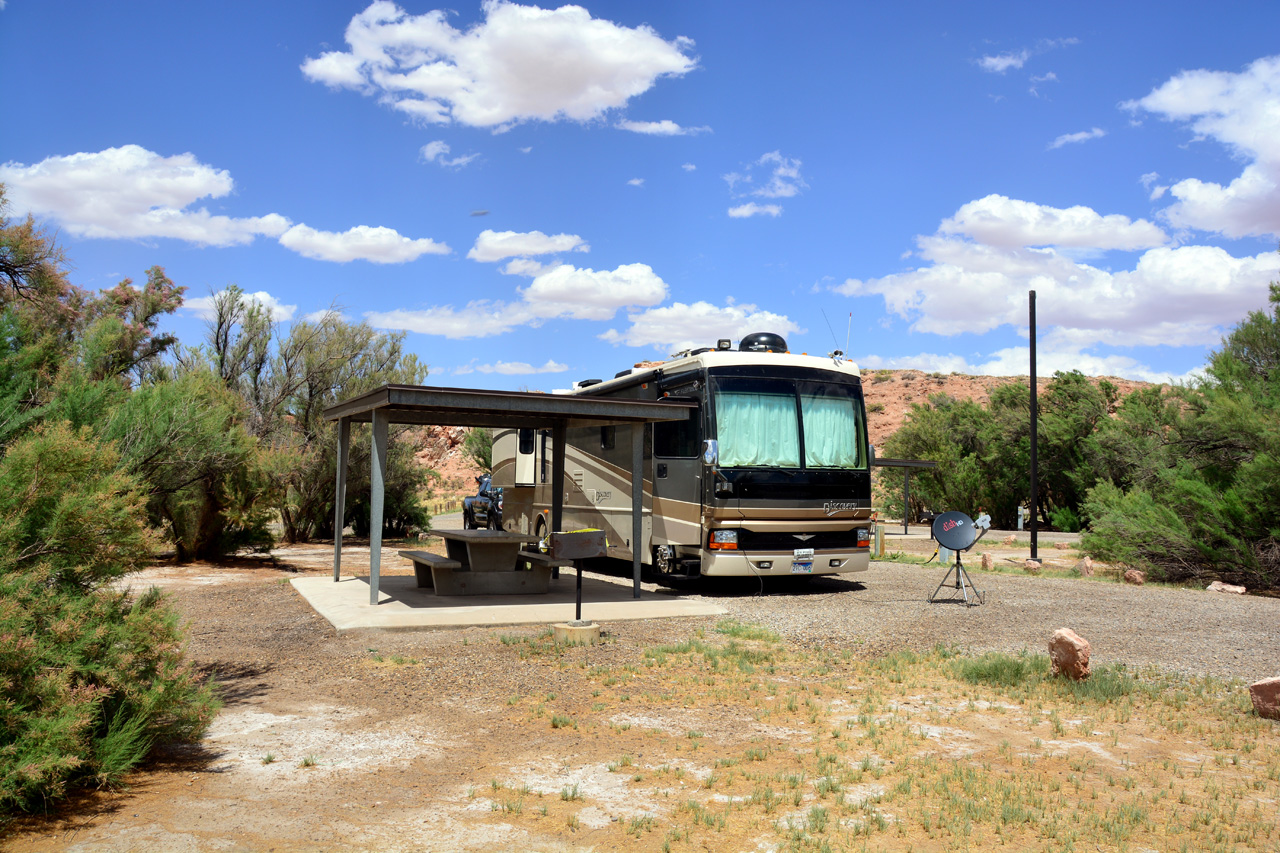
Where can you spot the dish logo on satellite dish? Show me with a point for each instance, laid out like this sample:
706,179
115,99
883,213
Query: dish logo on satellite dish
950,524
834,507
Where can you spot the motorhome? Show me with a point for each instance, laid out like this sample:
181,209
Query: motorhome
769,476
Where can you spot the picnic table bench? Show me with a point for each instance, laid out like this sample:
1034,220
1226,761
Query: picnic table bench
425,562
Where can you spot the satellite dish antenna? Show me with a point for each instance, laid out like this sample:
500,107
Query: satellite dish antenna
958,532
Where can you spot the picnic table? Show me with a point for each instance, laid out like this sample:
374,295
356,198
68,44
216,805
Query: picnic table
484,562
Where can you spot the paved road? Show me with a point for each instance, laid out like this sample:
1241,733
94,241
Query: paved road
450,521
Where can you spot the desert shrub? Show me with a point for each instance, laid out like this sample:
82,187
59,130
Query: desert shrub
206,479
403,510
284,381
89,678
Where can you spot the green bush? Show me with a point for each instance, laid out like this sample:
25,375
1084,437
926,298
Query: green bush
1201,500
1065,519
89,678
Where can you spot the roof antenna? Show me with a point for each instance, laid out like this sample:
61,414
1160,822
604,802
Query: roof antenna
848,332
836,354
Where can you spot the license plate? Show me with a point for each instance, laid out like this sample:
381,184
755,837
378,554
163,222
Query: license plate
802,561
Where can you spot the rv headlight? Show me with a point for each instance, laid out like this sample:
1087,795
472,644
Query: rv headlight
724,540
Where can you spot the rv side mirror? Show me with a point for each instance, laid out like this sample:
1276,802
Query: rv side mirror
710,451
872,448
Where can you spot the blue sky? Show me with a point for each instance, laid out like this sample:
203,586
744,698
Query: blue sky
538,195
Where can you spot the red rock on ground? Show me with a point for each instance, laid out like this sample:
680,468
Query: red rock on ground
1135,577
1069,653
1219,586
1266,697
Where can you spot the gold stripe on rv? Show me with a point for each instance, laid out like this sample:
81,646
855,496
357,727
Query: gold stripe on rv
784,517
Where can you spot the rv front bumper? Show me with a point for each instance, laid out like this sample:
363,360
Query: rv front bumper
783,563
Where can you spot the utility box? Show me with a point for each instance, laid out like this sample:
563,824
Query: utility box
580,545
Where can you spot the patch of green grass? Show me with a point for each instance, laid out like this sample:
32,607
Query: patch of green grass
746,631
1001,670
1028,671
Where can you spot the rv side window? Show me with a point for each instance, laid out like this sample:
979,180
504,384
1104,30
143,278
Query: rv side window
677,438
526,441
608,437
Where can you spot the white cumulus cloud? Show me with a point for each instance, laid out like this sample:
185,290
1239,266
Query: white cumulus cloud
521,368
132,193
1002,62
479,319
522,266
586,294
1240,110
678,326
521,63
562,291
742,211
666,127
979,269
1073,138
376,244
437,152
1003,222
203,306
784,179
494,246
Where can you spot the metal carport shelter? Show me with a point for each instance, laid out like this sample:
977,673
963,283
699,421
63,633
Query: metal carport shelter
416,404
907,465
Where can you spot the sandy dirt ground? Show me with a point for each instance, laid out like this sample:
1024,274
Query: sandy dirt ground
469,739
377,742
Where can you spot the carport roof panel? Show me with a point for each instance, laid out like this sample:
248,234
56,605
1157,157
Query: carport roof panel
903,463
418,404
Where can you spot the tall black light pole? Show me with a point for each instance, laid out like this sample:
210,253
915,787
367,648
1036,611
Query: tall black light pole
1034,417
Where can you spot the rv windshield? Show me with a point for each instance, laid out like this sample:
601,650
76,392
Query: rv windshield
777,423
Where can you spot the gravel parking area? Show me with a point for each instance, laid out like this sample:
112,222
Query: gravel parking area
1191,631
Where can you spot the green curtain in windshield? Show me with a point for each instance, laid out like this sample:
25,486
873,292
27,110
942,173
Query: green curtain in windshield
757,429
830,432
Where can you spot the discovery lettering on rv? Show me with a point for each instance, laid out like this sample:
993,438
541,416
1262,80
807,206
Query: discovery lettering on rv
834,507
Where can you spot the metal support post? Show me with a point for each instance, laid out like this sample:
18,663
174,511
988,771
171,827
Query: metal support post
377,493
340,494
637,504
1035,416
906,498
558,438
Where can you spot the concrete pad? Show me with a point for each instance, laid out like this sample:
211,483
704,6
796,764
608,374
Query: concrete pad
404,607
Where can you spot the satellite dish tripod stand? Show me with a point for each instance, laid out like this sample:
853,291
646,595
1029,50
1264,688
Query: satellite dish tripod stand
951,529
962,583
